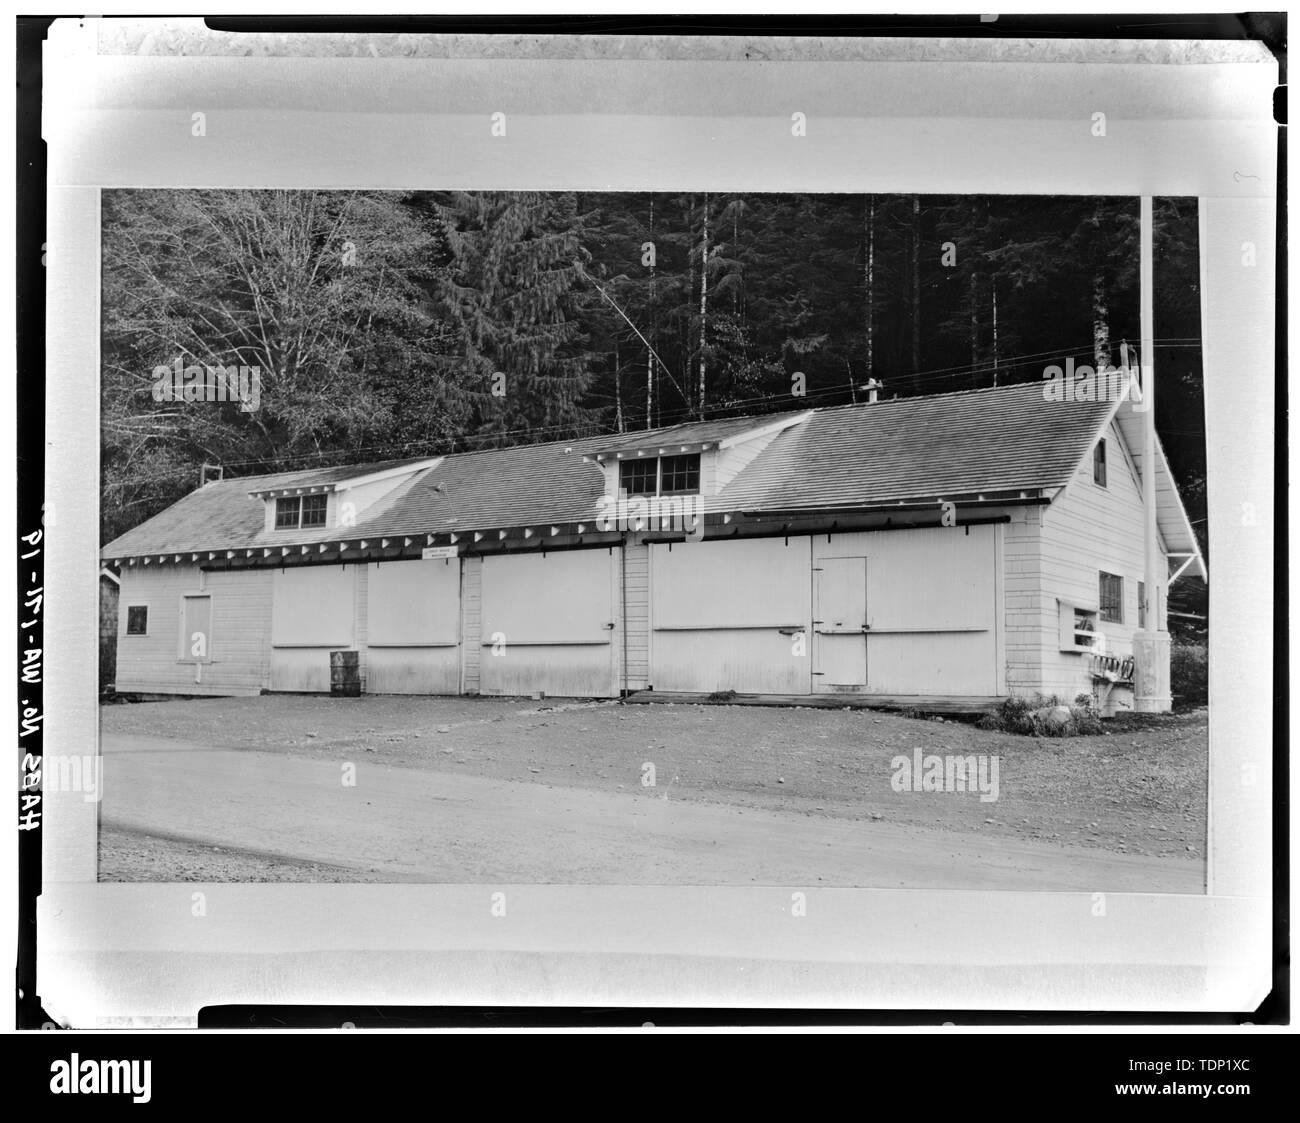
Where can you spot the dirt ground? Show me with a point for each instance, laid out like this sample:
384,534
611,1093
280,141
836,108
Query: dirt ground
1138,789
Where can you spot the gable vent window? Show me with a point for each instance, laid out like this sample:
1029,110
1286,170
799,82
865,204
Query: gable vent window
661,475
300,511
1111,598
1099,464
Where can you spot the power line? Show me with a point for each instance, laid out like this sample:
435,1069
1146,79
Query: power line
684,412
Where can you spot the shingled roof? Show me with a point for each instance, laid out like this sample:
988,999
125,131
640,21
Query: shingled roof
317,477
692,432
1002,440
963,443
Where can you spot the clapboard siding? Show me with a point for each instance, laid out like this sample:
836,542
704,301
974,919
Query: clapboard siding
241,631
1022,601
636,571
471,610
1087,530
361,625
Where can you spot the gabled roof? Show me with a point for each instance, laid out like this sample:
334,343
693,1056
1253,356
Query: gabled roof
1171,515
1006,442
943,445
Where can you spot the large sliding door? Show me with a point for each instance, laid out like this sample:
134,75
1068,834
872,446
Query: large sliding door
549,624
413,627
923,604
313,610
731,615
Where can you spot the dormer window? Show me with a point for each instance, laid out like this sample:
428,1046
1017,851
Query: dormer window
679,475
639,477
661,475
300,511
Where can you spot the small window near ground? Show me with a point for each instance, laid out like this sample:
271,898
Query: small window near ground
137,620
1099,464
1110,598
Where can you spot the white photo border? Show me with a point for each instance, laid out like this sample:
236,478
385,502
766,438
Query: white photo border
1180,123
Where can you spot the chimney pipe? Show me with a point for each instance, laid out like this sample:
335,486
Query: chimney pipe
873,384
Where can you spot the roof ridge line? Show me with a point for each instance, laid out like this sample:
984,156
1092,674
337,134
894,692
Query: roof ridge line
757,417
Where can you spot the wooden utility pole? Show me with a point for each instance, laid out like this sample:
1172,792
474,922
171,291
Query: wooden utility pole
916,291
1150,645
995,332
871,286
704,295
649,365
618,389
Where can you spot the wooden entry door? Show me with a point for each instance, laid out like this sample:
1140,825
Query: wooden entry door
839,648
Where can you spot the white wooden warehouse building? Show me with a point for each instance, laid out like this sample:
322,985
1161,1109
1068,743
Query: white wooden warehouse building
958,546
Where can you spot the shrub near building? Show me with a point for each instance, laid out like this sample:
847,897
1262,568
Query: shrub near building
1189,675
1045,717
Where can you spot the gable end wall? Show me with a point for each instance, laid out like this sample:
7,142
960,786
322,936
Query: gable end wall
1086,530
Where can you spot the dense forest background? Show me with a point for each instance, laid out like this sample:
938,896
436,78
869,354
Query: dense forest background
382,322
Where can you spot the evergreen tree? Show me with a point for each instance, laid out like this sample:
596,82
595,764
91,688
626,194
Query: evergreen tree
324,293
460,319
512,290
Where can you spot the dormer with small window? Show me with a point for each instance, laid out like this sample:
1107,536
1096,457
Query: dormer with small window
295,512
663,466
661,475
332,499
